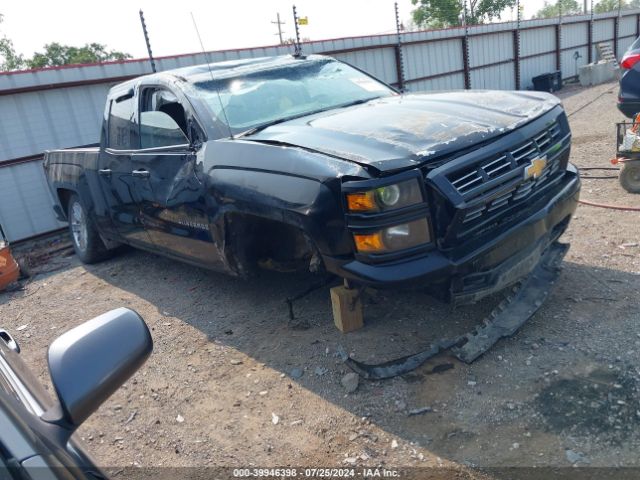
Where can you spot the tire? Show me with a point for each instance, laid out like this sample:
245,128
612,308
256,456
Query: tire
84,236
630,177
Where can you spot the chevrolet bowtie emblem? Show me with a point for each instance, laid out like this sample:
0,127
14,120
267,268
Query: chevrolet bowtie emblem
534,170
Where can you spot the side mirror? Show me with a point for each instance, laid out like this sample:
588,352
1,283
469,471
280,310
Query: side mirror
90,362
158,129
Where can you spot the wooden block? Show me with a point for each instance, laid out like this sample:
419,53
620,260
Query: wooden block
347,309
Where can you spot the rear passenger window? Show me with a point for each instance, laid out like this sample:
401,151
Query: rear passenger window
122,130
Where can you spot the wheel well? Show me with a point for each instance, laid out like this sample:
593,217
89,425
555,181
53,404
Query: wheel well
64,194
265,243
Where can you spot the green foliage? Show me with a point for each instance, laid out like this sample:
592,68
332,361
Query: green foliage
609,5
569,7
604,6
450,13
55,55
9,59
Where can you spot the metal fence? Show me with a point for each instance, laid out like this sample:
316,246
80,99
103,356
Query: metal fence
62,107
497,55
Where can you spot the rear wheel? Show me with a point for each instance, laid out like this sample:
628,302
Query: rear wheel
85,237
630,177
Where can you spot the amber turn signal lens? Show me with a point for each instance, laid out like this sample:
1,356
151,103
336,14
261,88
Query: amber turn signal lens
394,238
369,243
361,202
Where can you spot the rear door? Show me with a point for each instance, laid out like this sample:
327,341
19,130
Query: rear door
173,197
118,169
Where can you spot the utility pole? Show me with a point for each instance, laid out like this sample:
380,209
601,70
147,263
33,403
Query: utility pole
279,23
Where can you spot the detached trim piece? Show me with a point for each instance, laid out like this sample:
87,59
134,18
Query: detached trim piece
527,297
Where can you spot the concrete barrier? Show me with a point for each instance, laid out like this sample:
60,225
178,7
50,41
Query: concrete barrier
597,73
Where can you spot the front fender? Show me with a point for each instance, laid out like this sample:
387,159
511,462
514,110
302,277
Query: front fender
310,205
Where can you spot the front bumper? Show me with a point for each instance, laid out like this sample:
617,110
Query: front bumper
499,262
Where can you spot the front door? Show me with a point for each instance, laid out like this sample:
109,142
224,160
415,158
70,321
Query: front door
173,198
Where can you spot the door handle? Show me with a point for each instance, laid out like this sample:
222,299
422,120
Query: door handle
141,173
105,171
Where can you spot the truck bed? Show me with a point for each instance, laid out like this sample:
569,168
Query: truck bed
86,157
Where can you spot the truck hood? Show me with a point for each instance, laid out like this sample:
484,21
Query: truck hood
404,131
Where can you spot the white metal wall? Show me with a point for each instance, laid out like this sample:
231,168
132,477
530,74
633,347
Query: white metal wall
36,121
62,107
25,201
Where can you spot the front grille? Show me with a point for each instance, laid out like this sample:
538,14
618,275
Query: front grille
492,186
469,181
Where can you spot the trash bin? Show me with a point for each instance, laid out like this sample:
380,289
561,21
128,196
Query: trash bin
9,270
548,82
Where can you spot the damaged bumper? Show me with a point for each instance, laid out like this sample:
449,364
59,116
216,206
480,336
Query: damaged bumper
518,306
500,262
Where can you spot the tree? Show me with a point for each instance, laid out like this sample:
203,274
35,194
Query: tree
55,55
9,59
569,7
450,13
612,5
606,6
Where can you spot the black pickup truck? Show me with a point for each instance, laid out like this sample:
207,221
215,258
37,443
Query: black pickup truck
309,163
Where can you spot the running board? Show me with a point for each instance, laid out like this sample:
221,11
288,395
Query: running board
525,298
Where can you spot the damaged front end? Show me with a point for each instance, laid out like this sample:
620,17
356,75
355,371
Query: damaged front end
522,301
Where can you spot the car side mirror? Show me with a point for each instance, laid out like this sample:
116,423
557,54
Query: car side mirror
90,362
158,129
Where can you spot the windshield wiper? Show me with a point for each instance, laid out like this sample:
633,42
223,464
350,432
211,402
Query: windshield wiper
261,127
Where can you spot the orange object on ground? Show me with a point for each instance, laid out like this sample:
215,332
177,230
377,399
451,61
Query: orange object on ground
9,270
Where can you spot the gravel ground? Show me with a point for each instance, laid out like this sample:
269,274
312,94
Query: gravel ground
233,382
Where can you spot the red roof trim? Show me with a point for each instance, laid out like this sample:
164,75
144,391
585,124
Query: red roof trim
55,86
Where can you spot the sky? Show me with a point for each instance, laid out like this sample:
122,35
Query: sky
223,24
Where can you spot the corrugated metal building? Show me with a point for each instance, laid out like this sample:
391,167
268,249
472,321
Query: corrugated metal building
62,107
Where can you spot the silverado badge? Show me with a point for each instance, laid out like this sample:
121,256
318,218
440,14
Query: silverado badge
535,168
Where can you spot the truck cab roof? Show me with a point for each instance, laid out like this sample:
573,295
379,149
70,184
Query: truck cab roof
219,70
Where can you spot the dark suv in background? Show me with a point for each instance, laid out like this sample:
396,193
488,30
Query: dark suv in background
629,96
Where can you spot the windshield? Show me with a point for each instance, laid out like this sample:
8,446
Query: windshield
267,96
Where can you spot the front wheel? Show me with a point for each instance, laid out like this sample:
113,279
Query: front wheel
85,237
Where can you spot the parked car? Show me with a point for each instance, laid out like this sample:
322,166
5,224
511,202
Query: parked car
307,163
629,96
86,364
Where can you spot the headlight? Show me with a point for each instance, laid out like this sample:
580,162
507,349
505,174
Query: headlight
397,237
385,198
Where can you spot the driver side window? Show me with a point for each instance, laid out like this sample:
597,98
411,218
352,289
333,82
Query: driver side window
162,120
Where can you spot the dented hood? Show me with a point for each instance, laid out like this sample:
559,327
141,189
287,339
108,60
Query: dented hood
408,130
